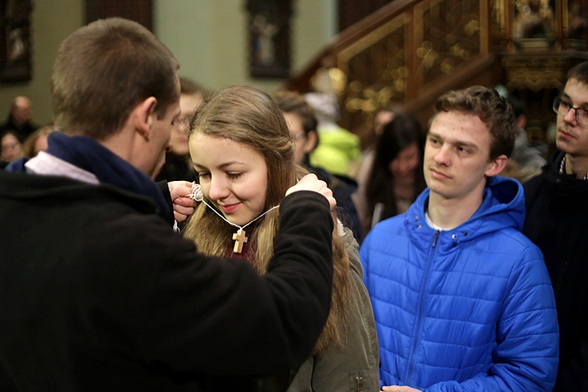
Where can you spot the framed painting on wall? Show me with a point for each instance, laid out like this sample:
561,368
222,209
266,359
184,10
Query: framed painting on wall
269,38
15,40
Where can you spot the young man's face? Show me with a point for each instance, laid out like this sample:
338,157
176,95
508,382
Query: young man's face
189,103
457,156
571,136
303,145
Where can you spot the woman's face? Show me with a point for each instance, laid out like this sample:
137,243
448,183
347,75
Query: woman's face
232,175
406,161
11,148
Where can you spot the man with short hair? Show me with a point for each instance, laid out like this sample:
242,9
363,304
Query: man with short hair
302,123
461,297
96,290
20,118
557,222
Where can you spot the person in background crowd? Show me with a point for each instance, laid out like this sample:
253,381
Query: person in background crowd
37,141
557,221
11,148
20,118
338,147
526,160
97,292
462,299
363,165
177,164
396,176
302,124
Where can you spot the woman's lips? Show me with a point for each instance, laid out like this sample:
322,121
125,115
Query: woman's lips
229,208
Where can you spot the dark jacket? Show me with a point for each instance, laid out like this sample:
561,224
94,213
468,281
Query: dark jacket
343,187
23,131
176,168
557,221
98,294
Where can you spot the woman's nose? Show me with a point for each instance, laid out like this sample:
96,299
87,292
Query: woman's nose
218,189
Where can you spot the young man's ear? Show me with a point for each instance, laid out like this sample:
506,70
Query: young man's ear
311,142
496,166
142,117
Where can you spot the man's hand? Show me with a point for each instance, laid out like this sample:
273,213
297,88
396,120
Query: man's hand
183,205
311,183
396,388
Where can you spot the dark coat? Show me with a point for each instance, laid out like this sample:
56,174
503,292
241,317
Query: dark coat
176,168
23,131
557,222
98,294
343,187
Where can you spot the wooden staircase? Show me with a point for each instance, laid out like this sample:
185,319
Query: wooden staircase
411,51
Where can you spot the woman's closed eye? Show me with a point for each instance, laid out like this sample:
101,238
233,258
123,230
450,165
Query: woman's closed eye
234,175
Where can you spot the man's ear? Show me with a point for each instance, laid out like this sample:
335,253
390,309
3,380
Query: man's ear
311,142
142,117
496,166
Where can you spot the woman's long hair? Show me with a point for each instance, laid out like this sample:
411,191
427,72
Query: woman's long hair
250,117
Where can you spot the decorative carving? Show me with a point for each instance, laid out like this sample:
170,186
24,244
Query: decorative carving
535,73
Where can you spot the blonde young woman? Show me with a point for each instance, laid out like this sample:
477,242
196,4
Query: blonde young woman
242,151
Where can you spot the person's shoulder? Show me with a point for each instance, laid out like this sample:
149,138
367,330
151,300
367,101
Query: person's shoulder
515,244
385,231
136,235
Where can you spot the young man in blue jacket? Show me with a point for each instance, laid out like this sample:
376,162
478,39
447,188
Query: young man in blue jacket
461,297
557,222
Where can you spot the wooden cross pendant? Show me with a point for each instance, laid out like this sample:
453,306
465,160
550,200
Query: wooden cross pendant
240,238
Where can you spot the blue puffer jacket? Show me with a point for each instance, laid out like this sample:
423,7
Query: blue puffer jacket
468,309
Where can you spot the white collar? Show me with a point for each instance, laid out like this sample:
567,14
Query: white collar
48,165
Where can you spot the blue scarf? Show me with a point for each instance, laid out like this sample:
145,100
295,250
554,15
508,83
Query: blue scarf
89,155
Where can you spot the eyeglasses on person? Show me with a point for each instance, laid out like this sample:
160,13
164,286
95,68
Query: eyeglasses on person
562,107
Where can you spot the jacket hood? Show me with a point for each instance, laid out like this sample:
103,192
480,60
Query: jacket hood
503,207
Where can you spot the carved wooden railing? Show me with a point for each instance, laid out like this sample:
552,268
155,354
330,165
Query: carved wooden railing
411,51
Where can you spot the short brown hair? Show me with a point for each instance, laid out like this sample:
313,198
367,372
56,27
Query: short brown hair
103,70
190,87
293,102
579,73
491,108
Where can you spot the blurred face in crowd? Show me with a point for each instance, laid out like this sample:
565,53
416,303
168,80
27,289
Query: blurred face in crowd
189,103
303,144
405,162
11,148
21,112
